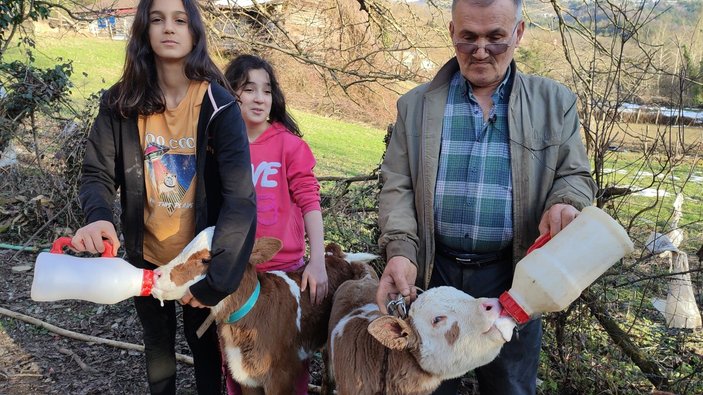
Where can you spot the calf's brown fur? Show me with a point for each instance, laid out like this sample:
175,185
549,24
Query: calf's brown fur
445,334
265,349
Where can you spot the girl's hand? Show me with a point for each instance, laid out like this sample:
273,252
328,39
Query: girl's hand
315,276
191,300
90,238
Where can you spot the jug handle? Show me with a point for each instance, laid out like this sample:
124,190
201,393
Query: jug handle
63,242
542,240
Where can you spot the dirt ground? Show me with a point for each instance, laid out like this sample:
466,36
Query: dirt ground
34,360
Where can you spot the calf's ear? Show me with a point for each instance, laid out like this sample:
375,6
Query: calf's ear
264,249
333,249
392,332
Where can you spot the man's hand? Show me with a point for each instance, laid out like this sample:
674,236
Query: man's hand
90,237
398,278
556,218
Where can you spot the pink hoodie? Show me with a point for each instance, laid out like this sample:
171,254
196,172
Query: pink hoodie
286,190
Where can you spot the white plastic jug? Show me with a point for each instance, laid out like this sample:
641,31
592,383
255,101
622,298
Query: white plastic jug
550,278
105,280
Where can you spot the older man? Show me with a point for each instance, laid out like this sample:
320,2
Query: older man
482,160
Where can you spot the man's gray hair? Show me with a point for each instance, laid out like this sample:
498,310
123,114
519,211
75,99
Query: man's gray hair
486,3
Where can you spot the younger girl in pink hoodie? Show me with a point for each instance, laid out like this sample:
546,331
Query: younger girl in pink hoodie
287,192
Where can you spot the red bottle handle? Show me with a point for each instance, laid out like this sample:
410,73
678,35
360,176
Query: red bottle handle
542,240
63,242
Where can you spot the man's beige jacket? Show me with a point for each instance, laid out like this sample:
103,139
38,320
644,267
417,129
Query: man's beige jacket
548,161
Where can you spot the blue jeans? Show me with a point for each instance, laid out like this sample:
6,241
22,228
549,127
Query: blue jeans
514,371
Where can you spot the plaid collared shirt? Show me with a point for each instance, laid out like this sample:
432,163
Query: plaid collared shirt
473,196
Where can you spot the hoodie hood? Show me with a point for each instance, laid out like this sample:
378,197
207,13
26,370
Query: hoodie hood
275,129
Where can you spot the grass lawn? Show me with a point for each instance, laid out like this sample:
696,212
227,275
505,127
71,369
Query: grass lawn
654,187
341,148
97,62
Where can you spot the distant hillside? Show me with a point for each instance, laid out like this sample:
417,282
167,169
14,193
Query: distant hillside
676,12
670,12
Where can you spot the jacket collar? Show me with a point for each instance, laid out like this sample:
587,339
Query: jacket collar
445,74
218,98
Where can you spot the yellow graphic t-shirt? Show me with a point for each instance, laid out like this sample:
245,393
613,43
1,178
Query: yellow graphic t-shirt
169,144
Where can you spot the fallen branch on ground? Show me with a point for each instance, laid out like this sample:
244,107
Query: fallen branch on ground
369,177
78,360
94,339
86,338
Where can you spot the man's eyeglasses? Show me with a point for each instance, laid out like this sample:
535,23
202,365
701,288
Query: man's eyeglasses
492,48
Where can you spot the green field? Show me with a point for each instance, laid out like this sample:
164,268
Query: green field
97,62
653,185
341,148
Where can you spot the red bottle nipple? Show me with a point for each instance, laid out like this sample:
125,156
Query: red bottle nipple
147,282
512,308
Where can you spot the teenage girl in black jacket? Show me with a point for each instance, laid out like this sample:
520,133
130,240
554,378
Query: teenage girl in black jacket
171,139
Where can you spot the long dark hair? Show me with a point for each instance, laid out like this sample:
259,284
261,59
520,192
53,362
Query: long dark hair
237,74
137,92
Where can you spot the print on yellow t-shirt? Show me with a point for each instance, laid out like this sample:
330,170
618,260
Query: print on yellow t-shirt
169,142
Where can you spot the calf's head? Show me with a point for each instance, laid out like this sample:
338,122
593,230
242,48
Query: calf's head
447,331
190,266
173,279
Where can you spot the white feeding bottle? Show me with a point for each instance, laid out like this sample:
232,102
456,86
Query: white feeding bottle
550,278
104,280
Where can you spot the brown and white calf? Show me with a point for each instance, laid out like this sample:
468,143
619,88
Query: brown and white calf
266,348
446,334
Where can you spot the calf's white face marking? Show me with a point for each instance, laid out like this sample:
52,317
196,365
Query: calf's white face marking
303,354
169,284
449,331
458,331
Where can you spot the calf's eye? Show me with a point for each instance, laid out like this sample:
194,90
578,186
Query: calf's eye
438,319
